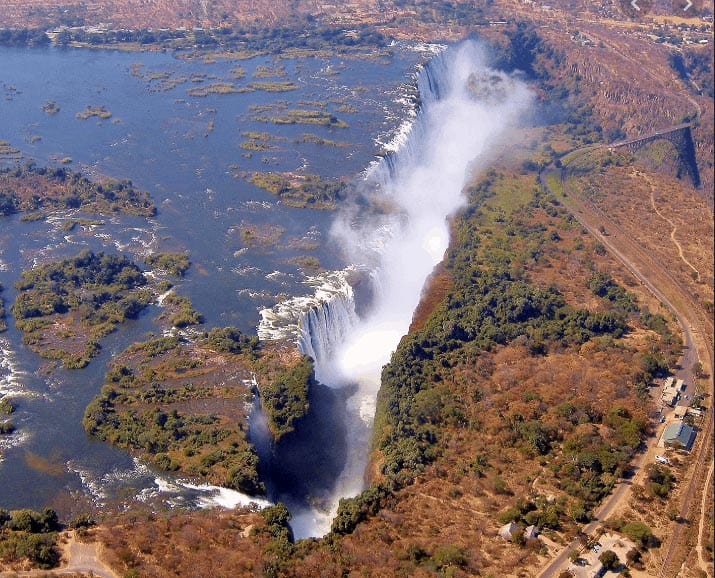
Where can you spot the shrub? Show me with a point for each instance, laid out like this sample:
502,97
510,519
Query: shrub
447,556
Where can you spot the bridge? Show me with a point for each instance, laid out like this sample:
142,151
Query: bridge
681,137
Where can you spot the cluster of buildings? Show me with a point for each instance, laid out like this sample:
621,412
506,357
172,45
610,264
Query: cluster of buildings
678,435
671,391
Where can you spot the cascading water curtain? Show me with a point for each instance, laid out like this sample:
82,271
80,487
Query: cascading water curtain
398,231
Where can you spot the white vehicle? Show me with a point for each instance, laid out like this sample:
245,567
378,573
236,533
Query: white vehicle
662,459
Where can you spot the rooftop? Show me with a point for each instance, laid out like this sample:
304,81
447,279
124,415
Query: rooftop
679,434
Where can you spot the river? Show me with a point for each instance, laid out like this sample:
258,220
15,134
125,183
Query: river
186,150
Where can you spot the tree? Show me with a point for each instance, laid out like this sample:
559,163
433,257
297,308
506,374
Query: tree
698,370
634,558
579,513
609,559
277,518
640,533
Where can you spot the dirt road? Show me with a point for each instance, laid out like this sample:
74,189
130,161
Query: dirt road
78,558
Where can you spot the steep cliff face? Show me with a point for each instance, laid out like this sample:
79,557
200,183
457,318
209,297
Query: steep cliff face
631,100
614,81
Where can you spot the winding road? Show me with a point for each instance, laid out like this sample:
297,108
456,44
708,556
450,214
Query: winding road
697,329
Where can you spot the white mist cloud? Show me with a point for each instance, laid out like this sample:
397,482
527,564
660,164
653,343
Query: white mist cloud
399,228
453,137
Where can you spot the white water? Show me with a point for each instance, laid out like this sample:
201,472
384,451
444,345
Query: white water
12,387
398,230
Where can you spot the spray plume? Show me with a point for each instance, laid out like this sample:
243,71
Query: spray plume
397,231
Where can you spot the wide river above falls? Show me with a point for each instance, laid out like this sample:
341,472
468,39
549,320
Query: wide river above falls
186,150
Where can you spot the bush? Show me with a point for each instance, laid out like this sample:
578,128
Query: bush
449,556
352,511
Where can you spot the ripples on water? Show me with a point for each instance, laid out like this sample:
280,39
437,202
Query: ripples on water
158,139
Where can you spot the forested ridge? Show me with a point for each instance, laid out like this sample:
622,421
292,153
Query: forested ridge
506,300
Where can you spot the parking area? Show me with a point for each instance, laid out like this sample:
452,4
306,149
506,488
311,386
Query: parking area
588,566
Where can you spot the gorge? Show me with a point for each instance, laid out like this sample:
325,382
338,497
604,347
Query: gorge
393,232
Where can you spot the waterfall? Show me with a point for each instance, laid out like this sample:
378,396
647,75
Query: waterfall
396,228
327,323
317,320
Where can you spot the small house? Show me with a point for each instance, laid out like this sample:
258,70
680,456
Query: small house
679,435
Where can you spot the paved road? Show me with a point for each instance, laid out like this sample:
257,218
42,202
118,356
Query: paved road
691,321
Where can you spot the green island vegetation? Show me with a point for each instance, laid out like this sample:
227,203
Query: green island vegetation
7,408
261,236
176,264
159,81
347,109
500,297
180,312
218,88
302,116
71,224
275,86
34,189
32,217
259,141
301,191
307,263
268,72
50,107
29,536
237,73
185,405
318,140
97,111
8,151
321,104
65,308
